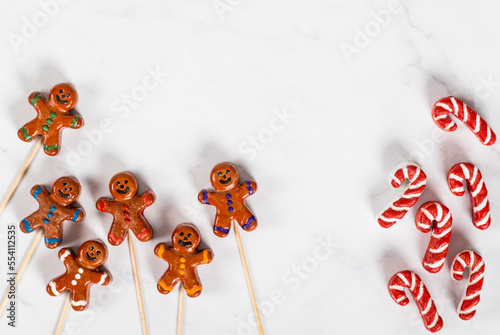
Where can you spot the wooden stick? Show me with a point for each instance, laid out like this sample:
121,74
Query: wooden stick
137,284
249,280
20,175
180,311
23,265
62,318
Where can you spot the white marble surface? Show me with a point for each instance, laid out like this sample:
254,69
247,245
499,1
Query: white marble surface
297,97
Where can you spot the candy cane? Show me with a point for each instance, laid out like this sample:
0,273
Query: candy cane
397,209
467,307
408,279
430,213
478,193
472,120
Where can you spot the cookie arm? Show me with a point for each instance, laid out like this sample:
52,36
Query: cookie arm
39,193
102,278
73,121
205,197
102,205
149,198
74,214
35,97
67,257
203,257
163,251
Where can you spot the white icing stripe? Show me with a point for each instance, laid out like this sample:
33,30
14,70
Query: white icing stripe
420,184
420,291
103,278
412,286
478,123
399,209
445,221
425,226
439,215
459,189
428,307
481,275
396,180
403,278
446,231
488,135
461,261
429,215
398,300
465,170
410,196
466,113
439,117
397,287
484,220
436,264
457,178
79,303
405,172
436,319
474,176
64,255
455,106
477,267
478,189
445,106
457,272
470,310
451,124
53,288
481,205
472,296
471,256
440,249
416,175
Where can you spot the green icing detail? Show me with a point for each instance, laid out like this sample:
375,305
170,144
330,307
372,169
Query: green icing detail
53,114
25,134
45,127
49,121
51,147
75,120
35,99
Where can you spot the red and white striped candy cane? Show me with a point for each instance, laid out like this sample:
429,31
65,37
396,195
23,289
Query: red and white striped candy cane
481,217
435,215
467,307
408,279
472,120
397,209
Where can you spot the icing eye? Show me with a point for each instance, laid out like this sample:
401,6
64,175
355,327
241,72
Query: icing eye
182,234
61,90
64,184
227,171
125,182
67,95
71,189
98,253
91,248
117,183
219,173
189,235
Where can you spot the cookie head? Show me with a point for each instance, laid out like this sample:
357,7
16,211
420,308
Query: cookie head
66,190
63,97
185,238
123,186
224,176
92,254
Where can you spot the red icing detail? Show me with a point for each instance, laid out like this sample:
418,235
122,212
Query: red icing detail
102,205
115,239
143,233
125,207
127,220
126,214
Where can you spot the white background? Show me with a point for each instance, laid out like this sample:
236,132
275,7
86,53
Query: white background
319,261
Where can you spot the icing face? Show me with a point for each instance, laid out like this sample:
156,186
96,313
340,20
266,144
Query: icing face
63,97
123,186
185,238
66,190
92,254
224,176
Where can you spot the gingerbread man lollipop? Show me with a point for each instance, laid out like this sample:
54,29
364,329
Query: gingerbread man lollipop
229,199
52,117
183,258
54,209
127,209
81,273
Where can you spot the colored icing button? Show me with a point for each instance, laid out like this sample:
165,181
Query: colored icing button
225,180
62,98
183,259
91,255
54,209
127,209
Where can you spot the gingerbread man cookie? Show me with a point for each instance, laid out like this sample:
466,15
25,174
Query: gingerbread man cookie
183,258
54,209
229,199
127,209
52,117
81,273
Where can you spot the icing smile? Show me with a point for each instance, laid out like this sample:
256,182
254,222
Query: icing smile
224,182
63,195
90,258
184,244
59,100
125,191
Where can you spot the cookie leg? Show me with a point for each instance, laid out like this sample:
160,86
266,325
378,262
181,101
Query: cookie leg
192,285
52,143
222,225
29,131
53,236
79,299
55,287
249,221
117,233
166,283
29,224
142,231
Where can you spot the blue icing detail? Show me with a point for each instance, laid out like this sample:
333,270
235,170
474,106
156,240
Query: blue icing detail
249,187
45,221
205,197
249,222
53,208
229,202
49,215
52,240
27,226
228,196
231,209
75,216
37,192
225,231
